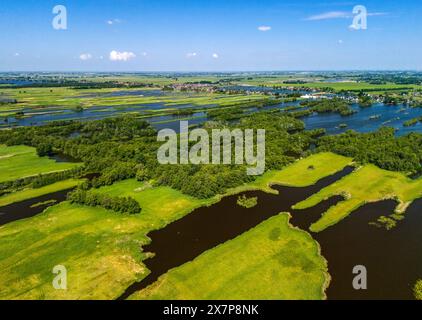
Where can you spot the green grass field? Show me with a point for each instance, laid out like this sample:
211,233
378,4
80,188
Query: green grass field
302,173
100,249
34,193
21,161
367,184
160,205
271,261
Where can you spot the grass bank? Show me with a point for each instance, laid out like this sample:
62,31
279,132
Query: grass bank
271,261
34,193
302,173
22,161
102,249
367,184
99,248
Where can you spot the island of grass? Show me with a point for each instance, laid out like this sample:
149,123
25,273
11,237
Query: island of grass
367,184
246,202
271,261
22,161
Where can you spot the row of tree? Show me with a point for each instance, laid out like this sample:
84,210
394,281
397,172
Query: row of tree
96,199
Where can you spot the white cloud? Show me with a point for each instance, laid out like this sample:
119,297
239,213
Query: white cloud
121,56
215,55
264,28
340,15
85,56
17,54
144,54
191,55
340,42
330,15
113,21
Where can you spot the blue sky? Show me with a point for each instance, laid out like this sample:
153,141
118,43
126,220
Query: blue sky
218,35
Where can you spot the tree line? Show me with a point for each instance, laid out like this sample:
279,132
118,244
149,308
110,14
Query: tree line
382,148
96,199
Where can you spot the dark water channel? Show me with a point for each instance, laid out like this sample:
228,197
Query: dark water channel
207,227
393,258
32,207
29,208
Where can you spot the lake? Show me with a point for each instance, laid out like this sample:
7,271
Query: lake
367,119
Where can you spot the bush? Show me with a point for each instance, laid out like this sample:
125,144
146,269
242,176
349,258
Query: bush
44,149
246,202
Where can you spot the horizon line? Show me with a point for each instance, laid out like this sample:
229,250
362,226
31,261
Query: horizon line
209,71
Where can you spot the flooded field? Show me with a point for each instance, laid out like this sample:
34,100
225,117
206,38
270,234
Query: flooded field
161,116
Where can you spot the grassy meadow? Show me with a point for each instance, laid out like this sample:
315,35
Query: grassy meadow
367,184
271,261
302,173
22,161
160,205
100,249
